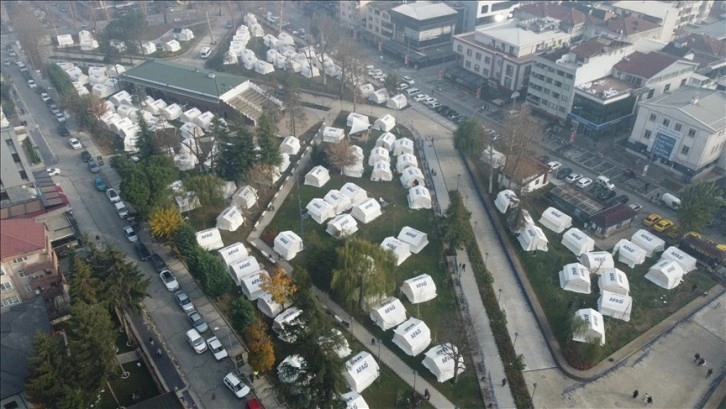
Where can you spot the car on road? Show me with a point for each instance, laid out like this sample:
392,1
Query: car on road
54,108
196,341
142,251
85,155
606,194
408,80
561,173
93,166
402,86
195,318
554,165
32,84
113,195
183,300
170,282
157,262
663,225
441,108
629,173
7,62
253,404
204,53
44,96
75,144
53,171
235,385
60,117
455,117
63,131
635,206
430,101
215,346
583,183
652,219
434,105
420,97
130,234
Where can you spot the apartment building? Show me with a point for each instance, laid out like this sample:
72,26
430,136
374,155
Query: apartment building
671,14
473,14
352,15
657,72
15,175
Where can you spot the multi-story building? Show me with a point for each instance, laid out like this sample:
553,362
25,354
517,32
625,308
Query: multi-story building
28,264
473,14
625,28
378,27
570,19
502,53
671,14
555,75
352,15
684,131
655,73
15,175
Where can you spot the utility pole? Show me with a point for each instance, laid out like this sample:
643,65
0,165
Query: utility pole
209,26
279,22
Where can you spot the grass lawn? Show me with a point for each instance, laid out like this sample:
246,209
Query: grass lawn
140,382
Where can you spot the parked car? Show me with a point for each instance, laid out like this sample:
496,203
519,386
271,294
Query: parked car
402,86
651,219
408,80
561,173
455,117
63,131
196,341
452,113
130,234
183,300
573,177
434,105
44,96
215,346
75,144
53,171
235,385
93,166
142,251
85,155
32,84
441,108
54,108
635,206
157,262
629,173
583,183
195,318
100,184
420,97
60,117
430,100
554,165
172,285
663,225
112,195
606,194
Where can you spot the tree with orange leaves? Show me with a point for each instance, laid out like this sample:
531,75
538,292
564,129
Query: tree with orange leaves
280,285
262,353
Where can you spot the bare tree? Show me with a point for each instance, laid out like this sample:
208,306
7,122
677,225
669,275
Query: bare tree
326,32
456,343
520,130
352,70
339,155
260,175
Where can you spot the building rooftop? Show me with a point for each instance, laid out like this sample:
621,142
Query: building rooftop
645,65
425,10
513,32
382,5
613,215
716,30
658,9
624,25
555,11
182,79
20,236
606,88
596,46
706,44
700,104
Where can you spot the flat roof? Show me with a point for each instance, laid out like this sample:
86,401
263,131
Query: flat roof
510,32
716,30
578,199
708,108
657,9
424,10
182,79
605,87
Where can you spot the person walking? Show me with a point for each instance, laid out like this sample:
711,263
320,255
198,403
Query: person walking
650,400
635,394
709,373
646,397
504,381
702,362
373,341
698,356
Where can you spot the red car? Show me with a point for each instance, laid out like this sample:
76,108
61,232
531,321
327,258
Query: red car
629,173
254,404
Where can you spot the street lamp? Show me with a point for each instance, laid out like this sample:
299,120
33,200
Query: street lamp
533,392
414,381
458,178
380,341
516,334
500,296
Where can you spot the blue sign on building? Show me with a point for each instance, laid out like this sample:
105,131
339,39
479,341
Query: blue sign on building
664,145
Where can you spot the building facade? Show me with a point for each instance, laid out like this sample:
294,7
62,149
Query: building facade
473,14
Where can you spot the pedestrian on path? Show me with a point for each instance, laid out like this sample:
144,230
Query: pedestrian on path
709,373
701,362
698,356
373,341
650,400
646,397
158,351
151,341
463,266
504,381
635,394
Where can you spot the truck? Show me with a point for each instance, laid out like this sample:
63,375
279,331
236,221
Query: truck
670,201
100,184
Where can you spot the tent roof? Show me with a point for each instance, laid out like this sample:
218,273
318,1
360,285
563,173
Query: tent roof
555,220
595,325
440,362
319,207
595,261
412,336
412,237
687,262
648,241
210,239
232,253
246,266
614,280
532,238
389,314
665,273
577,241
361,371
629,253
504,199
353,191
288,239
611,303
419,289
358,126
290,369
251,284
353,400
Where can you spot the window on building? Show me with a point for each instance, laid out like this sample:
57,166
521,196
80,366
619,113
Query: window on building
555,94
484,9
19,260
678,127
666,122
547,91
564,97
6,286
22,273
566,86
650,94
468,52
683,82
467,64
487,60
560,73
652,117
548,80
501,6
558,84
509,70
478,56
476,67
10,301
667,88
460,48
562,109
508,82
28,289
646,134
691,132
569,76
485,72
684,150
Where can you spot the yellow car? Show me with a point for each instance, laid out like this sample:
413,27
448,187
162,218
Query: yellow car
693,234
651,220
663,225
721,247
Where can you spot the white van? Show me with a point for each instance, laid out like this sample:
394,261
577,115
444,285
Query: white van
605,182
121,209
672,201
412,91
204,53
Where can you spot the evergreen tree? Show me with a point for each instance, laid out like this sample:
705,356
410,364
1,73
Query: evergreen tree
269,153
46,382
364,271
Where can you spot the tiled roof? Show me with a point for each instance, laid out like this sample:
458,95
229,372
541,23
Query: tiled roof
645,65
707,44
555,11
613,216
624,25
596,46
20,236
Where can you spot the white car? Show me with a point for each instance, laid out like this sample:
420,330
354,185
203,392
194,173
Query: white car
554,165
204,53
172,285
237,387
44,96
573,177
112,195
402,87
61,117
430,101
635,206
421,97
130,234
215,346
183,300
75,143
32,84
196,341
53,171
583,183
408,80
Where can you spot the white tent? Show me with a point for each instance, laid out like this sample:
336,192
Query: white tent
228,188
233,253
358,126
355,170
121,97
264,67
386,141
355,193
342,226
187,202
353,116
183,161
412,336
148,48
361,371
615,305
366,90
291,368
354,401
493,157
576,278
204,120
419,289
378,96
666,274
402,146
171,46
505,199
210,239
687,262
648,241
268,306
284,163
251,285
230,219
440,361
309,72
320,210
555,220
366,211
338,200
596,261
532,238
318,176
171,112
190,114
577,242
595,329
419,197
406,160
290,145
378,154
240,269
245,197
385,123
615,281
388,314
400,249
411,177
629,253
288,244
342,349
186,35
286,318
397,102
381,172
415,239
